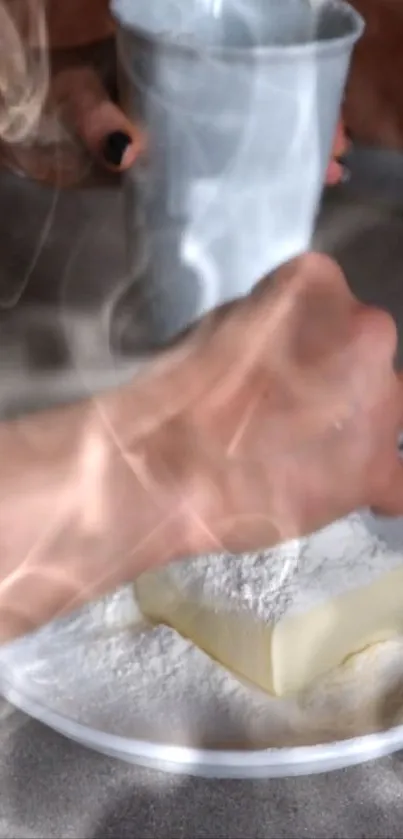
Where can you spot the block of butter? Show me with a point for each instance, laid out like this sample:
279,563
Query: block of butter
283,618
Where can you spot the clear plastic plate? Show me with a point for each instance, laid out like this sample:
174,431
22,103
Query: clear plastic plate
85,677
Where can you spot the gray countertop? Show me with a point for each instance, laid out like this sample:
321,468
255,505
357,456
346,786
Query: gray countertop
61,335
51,787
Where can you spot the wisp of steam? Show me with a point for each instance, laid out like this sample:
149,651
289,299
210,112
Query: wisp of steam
24,70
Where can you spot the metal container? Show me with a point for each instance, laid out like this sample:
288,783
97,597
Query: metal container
239,99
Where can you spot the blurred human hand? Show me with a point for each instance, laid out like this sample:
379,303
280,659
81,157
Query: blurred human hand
373,110
79,105
275,416
294,414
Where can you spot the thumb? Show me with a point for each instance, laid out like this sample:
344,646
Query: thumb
102,126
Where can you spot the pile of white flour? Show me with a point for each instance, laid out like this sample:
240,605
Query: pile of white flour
298,575
107,670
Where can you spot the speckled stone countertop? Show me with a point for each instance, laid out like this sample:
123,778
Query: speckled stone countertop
52,301
51,787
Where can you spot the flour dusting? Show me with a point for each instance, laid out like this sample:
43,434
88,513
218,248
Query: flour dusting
106,669
294,577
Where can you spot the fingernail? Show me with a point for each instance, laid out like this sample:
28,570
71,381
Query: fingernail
115,147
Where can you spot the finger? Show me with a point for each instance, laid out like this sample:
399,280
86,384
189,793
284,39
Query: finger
336,171
103,127
63,169
341,143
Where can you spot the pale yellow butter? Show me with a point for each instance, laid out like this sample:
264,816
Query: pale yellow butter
335,609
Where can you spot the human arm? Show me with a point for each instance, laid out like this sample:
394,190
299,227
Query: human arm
277,415
81,510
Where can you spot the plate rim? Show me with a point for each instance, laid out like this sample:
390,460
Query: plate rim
225,763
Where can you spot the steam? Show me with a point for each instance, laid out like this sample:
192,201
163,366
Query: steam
24,70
